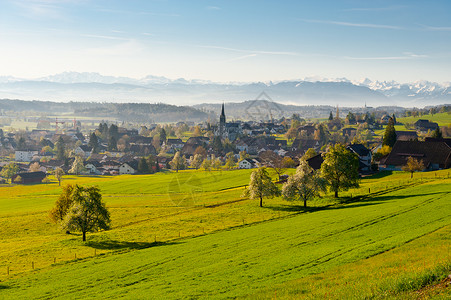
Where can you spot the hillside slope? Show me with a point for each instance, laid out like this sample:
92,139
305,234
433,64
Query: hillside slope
238,262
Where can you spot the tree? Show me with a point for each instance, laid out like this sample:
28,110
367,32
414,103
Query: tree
87,212
178,162
94,143
200,150
60,149
62,204
18,179
34,167
260,186
77,166
206,164
288,162
390,134
304,185
437,134
112,143
413,165
9,170
59,173
309,154
230,161
162,135
243,155
382,152
216,162
331,116
340,169
197,131
273,160
196,161
143,166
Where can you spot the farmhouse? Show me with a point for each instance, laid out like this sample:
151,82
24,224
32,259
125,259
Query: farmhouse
364,155
130,167
425,125
31,177
406,136
434,154
248,163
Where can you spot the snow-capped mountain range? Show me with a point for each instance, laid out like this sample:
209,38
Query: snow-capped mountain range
74,86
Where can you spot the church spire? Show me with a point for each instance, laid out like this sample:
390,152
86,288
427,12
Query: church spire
222,122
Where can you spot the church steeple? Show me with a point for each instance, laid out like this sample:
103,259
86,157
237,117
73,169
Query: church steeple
222,121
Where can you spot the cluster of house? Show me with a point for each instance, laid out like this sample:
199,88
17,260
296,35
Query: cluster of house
253,138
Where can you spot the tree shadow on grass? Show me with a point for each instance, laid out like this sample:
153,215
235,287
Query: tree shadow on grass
379,175
122,245
347,202
4,287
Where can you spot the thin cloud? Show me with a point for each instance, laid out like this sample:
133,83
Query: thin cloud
249,51
242,57
142,13
213,8
406,56
349,24
105,37
436,28
372,9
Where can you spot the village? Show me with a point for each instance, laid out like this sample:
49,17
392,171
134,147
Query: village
278,144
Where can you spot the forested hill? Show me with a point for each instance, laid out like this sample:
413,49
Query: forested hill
141,112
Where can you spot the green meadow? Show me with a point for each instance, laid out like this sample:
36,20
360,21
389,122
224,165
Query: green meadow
191,235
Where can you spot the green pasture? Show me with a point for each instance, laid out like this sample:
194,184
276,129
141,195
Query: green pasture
443,119
191,235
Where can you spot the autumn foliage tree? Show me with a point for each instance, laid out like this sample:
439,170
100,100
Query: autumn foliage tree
413,165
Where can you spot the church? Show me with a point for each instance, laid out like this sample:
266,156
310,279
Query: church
229,130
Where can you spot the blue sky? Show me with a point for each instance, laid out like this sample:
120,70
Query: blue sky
228,40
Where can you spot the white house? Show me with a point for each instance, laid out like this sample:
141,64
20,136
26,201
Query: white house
130,167
25,155
248,163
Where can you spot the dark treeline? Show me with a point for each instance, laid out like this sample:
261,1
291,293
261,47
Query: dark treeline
141,112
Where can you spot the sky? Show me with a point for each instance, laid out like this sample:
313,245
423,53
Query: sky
228,40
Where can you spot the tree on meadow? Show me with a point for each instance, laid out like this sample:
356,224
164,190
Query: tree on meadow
59,173
87,212
178,162
304,185
413,165
196,162
340,169
230,161
261,186
62,204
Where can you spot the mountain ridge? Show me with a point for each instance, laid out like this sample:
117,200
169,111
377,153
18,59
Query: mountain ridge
75,86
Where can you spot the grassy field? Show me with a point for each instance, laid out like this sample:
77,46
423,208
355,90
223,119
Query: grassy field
210,242
443,119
